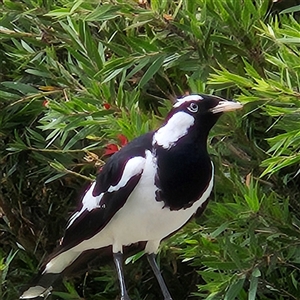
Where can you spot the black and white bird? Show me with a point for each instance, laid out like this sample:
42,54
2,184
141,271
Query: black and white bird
148,190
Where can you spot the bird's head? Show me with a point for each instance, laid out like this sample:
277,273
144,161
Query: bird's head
204,105
193,113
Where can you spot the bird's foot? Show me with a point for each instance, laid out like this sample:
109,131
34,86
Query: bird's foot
125,297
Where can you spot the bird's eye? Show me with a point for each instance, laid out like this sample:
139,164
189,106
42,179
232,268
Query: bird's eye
193,107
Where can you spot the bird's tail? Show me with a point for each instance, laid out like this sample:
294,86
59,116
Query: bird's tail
42,286
67,261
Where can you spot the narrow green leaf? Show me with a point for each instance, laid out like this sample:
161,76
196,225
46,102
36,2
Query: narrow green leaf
103,12
112,75
153,69
6,96
222,40
58,166
78,136
8,261
53,178
134,257
219,230
38,73
234,289
27,47
142,63
21,87
290,10
253,284
57,13
76,5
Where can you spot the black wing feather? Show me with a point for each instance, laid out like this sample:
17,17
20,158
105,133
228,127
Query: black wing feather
113,169
91,222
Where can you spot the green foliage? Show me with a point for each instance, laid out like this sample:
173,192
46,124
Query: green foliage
74,75
249,243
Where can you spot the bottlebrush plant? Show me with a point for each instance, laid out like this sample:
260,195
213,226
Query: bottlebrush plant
78,79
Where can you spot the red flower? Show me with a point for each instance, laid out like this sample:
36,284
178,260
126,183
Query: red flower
106,105
110,149
45,103
123,139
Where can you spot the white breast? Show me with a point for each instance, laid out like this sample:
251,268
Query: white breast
143,218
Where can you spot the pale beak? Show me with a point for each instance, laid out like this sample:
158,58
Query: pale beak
225,106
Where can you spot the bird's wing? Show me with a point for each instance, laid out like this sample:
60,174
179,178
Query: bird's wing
108,193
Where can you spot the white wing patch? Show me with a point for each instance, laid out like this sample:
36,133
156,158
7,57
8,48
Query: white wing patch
134,166
176,127
89,202
188,98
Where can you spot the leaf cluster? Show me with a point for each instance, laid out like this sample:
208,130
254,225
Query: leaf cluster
74,75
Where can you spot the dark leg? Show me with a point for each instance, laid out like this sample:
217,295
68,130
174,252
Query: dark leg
118,259
154,266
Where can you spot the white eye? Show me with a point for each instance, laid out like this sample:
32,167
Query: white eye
193,107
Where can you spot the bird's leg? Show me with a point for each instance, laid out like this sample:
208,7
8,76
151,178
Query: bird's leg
118,259
154,266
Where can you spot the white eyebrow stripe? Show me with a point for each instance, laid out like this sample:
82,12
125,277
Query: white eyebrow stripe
187,99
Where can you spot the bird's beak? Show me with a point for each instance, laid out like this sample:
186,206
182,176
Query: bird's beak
224,106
